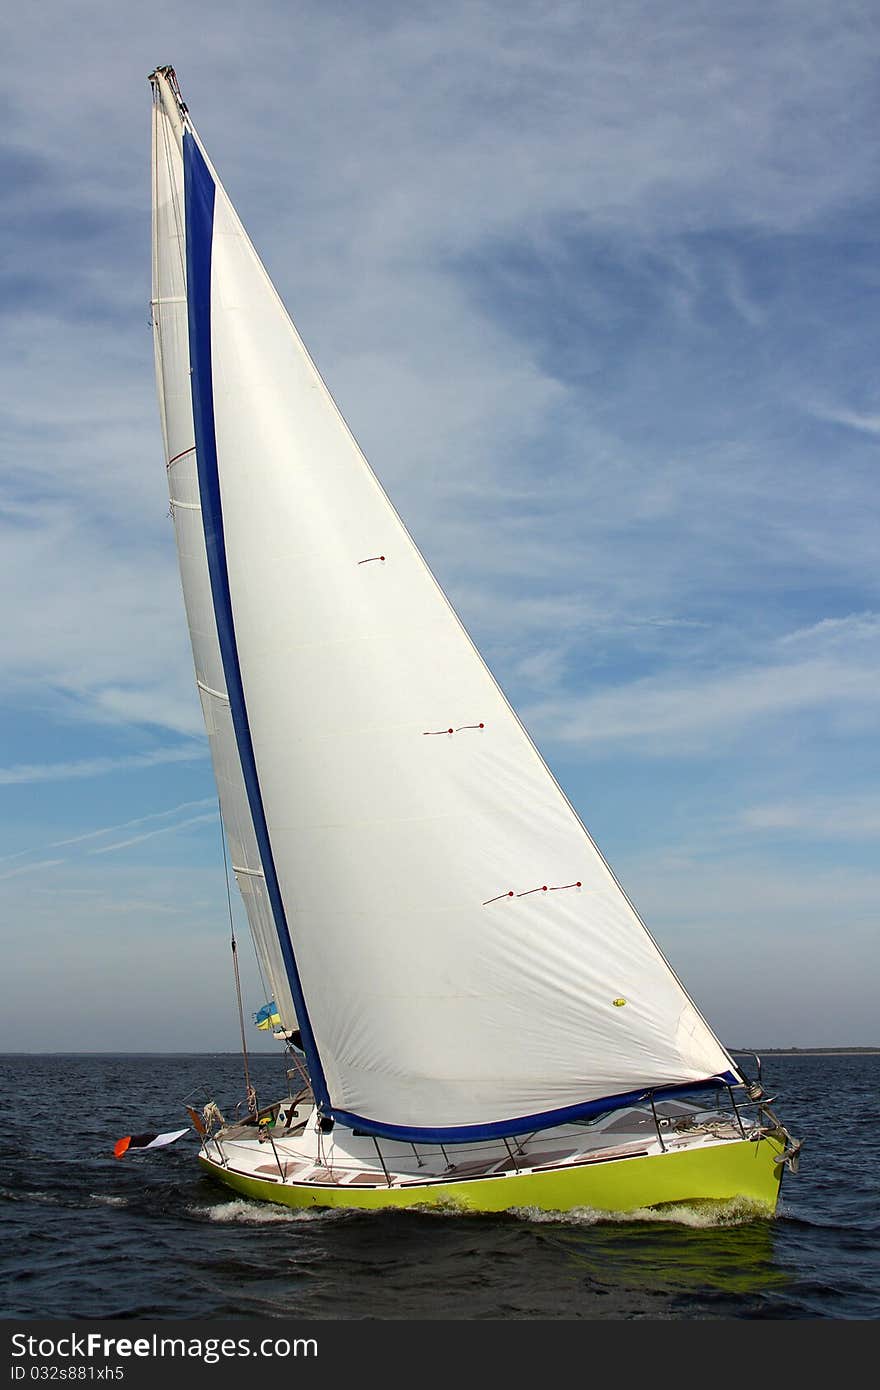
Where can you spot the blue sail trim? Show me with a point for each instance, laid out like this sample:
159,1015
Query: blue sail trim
199,192
526,1123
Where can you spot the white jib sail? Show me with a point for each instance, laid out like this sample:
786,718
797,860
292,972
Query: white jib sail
465,956
169,313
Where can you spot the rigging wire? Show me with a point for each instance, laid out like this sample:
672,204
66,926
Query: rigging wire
266,995
251,1094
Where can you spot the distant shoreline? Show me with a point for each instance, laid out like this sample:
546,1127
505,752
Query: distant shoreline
735,1051
806,1051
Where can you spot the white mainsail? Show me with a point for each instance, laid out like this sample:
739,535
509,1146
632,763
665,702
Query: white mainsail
459,956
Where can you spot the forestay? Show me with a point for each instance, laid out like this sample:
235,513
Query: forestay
461,958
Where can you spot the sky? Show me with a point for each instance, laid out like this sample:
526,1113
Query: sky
597,289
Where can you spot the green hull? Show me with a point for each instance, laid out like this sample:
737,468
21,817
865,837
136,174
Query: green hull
737,1171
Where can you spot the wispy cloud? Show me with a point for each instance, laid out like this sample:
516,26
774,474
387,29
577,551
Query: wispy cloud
31,868
833,665
849,817
98,767
149,834
75,842
111,829
138,820
852,419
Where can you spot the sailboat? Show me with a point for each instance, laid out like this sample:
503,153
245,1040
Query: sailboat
473,1012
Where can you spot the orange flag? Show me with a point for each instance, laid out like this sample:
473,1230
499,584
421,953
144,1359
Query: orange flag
146,1141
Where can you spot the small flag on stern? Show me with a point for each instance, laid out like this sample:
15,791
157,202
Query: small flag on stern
146,1141
268,1016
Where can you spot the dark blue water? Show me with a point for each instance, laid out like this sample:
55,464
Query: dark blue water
88,1236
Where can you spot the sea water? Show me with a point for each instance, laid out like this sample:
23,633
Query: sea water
86,1235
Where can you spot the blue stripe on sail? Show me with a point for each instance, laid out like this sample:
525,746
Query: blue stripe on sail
199,193
545,1120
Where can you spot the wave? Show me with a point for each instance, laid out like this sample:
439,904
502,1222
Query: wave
698,1215
241,1211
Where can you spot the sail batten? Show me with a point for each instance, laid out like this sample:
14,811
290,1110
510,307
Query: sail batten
459,954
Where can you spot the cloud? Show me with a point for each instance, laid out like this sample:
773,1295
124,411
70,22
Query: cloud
30,868
842,817
833,666
138,820
96,767
110,829
80,840
865,424
149,834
